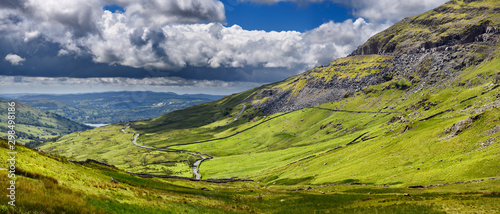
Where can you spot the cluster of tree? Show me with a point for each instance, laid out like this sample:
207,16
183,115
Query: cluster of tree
37,142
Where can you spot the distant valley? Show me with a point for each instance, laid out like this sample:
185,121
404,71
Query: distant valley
111,107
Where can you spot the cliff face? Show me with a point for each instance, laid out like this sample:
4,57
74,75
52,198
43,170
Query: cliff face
415,53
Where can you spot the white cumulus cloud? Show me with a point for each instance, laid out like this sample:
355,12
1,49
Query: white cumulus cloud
173,35
14,59
214,45
28,36
391,10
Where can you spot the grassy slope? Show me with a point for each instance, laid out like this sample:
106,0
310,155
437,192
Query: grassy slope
34,124
110,145
49,184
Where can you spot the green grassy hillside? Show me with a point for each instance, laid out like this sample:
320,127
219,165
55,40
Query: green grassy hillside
35,125
50,184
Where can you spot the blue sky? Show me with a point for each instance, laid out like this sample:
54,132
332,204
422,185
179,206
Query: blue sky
284,16
114,8
184,46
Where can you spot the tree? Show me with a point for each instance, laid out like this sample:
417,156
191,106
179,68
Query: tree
191,161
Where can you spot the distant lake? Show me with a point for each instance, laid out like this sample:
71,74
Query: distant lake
96,124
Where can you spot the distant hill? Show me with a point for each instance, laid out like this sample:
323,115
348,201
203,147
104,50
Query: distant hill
36,125
112,107
205,96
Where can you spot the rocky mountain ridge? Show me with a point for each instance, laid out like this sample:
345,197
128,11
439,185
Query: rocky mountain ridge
454,36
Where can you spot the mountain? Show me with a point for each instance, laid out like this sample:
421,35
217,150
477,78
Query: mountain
411,114
426,50
32,124
112,107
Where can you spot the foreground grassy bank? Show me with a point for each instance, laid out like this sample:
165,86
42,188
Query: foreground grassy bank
49,184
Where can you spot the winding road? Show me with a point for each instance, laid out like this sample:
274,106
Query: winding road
196,165
135,142
238,115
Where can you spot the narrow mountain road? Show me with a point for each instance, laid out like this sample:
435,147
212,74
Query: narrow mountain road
359,112
238,115
196,165
123,130
242,110
136,144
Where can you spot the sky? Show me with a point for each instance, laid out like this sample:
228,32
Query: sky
182,46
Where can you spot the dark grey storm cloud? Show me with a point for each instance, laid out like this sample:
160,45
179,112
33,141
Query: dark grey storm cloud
160,12
64,85
12,4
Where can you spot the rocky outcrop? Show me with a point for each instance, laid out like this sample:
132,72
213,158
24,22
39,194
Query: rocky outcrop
421,69
317,91
481,33
459,127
